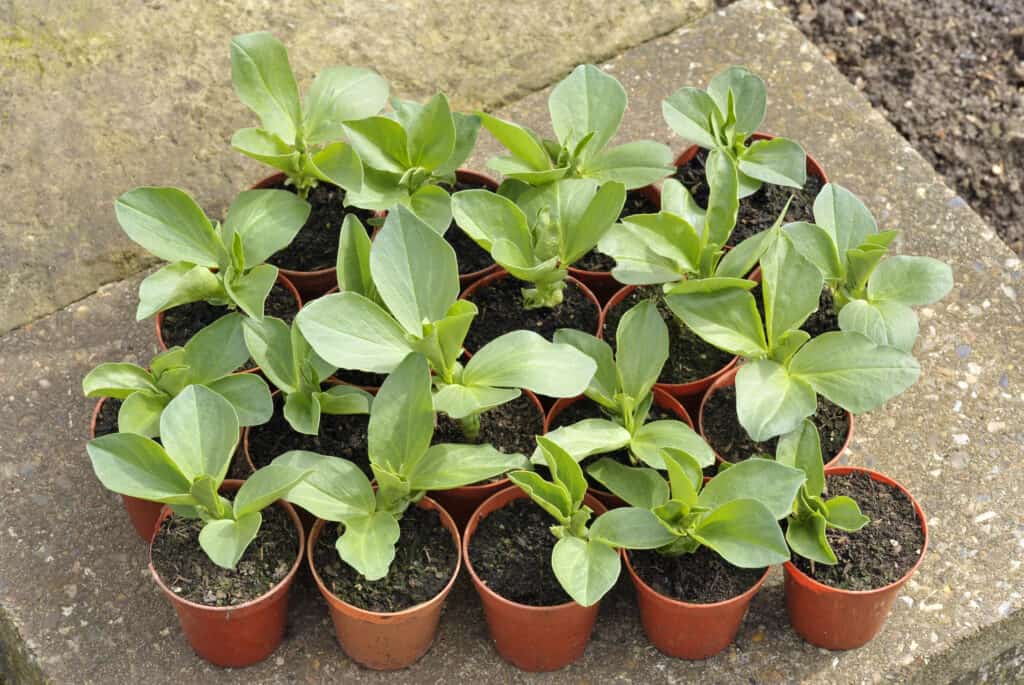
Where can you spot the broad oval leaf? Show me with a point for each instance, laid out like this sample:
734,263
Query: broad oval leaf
520,141
447,466
689,112
771,483
117,380
844,513
402,420
586,438
638,486
745,533
885,323
727,319
431,134
263,80
630,528
175,284
586,570
140,413
524,359
587,101
910,281
267,220
604,384
335,489
351,332
340,94
225,540
651,438
771,400
844,217
368,544
199,430
132,465
270,343
487,217
250,290
634,165
801,448
265,486
779,161
248,395
641,348
218,348
806,537
553,498
170,225
790,288
749,98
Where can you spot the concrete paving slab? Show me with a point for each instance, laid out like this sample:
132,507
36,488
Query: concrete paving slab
73,582
96,98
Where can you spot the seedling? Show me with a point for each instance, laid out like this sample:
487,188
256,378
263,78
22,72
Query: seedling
586,110
544,232
208,359
409,154
199,434
405,466
812,515
222,264
298,372
622,387
403,298
723,117
302,140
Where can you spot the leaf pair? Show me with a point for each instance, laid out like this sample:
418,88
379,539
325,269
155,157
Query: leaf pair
721,119
199,434
586,110
222,264
207,359
303,141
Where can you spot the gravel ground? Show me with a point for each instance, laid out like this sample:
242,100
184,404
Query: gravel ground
949,74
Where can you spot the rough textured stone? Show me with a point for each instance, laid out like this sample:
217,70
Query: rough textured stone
100,97
72,574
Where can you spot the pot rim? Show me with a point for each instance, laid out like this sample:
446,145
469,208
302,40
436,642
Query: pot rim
471,526
805,579
813,166
386,616
280,586
95,417
744,596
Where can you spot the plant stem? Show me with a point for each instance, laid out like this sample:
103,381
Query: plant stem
470,426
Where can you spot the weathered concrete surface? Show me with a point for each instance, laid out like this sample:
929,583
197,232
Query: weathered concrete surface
96,98
72,574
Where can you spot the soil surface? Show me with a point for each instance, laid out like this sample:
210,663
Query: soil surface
471,256
501,311
726,436
340,436
106,420
758,211
699,578
362,379
189,573
425,559
511,554
182,322
949,75
636,203
315,246
512,427
689,357
881,552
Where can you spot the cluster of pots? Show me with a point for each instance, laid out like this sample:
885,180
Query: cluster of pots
532,638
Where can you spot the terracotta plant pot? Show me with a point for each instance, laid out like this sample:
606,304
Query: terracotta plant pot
688,393
239,635
844,619
661,398
143,513
602,283
476,178
528,637
501,273
813,167
462,502
728,379
386,641
685,630
282,280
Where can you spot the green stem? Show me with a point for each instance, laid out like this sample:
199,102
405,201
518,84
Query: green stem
547,294
470,426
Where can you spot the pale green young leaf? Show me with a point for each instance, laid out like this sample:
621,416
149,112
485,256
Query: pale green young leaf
117,380
433,206
302,412
844,217
368,544
335,489
459,401
447,466
380,191
351,332
778,161
652,248
553,498
132,465
771,483
604,383
380,143
402,421
248,395
801,448
630,528
723,198
635,164
745,533
689,112
250,290
264,487
818,247
452,329
564,470
226,540
741,260
727,319
344,400
685,475
512,168
520,141
267,220
748,96
140,413
637,486
217,349
586,438
806,537
586,570
579,233
675,198
486,217
885,323
431,134
651,438
340,94
269,343
641,348
353,263
264,82
266,147
467,126
209,502
170,225
175,284
844,513
524,359
771,400
790,288
587,101
339,164
199,430
910,281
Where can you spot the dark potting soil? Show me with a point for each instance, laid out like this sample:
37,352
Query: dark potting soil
511,554
189,573
689,357
759,211
586,408
106,420
636,203
699,578
471,256
182,322
425,559
340,436
879,553
501,311
512,427
362,379
726,436
822,320
315,246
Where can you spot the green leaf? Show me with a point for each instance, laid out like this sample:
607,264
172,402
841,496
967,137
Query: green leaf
806,536
460,401
579,233
402,421
512,168
267,220
264,82
176,284
345,399
777,161
250,290
368,544
634,164
226,540
338,164
844,217
689,112
452,329
351,332
564,470
217,349
630,528
170,225
586,570
204,492
524,359
652,248
844,514
380,143
604,384
431,134
447,466
302,412
885,323
264,487
818,247
676,199
685,475
415,271
334,489
199,430
140,413
771,483
801,448
651,438
381,190
642,348
748,96
487,217
586,438
910,280
790,288
132,465
553,498
341,94
771,400
264,146
745,533
852,371
637,486
520,141
353,263
723,198
741,260
117,380
587,101
467,126
433,206
269,343
248,395
727,319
